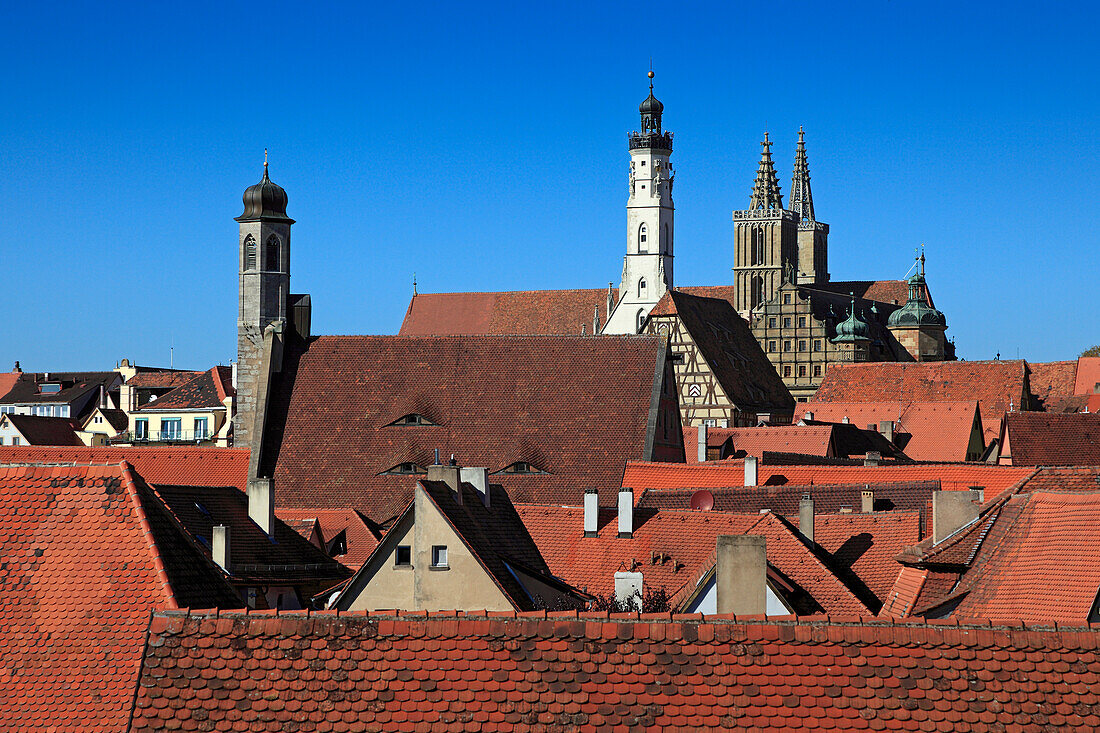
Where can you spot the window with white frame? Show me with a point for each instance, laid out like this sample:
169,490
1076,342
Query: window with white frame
439,556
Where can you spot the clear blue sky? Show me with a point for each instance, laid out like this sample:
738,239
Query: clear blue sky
483,148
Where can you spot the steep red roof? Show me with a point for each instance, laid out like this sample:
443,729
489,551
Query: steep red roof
532,312
206,391
998,386
1051,439
342,529
566,671
1052,383
868,543
39,430
161,379
931,431
7,381
1087,375
573,407
718,474
88,552
181,465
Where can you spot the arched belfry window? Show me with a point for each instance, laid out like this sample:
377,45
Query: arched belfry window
249,252
642,289
643,246
641,319
271,254
757,247
757,291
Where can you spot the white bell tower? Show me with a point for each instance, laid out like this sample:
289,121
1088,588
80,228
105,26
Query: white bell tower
647,267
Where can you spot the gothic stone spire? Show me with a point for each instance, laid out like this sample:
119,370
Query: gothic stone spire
802,199
765,190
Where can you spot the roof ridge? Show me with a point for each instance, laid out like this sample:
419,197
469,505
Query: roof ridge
147,530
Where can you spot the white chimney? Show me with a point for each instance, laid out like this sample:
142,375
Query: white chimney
702,430
219,546
479,479
626,513
591,512
806,517
628,589
261,504
867,501
750,470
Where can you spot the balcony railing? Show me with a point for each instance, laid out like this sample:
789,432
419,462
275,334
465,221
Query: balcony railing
164,436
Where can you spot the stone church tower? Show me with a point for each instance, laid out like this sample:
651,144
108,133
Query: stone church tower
647,267
765,240
813,235
264,293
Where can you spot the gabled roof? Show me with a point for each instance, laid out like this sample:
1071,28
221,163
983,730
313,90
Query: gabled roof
360,535
842,441
721,474
1051,439
532,312
180,465
288,558
734,355
88,552
587,671
44,430
160,378
998,386
74,385
117,419
674,550
574,407
1087,375
926,431
205,392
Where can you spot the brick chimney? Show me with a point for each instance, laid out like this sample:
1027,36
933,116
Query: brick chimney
750,470
741,575
626,513
591,512
806,517
953,510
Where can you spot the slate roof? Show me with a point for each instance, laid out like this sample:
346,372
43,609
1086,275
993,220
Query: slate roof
88,552
724,474
925,431
532,312
574,407
45,430
74,385
996,385
161,378
734,355
1051,439
412,671
181,465
673,550
348,529
288,558
205,392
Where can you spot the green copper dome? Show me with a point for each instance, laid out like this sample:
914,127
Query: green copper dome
917,312
852,329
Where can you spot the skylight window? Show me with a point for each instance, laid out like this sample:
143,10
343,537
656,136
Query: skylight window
49,388
521,467
406,469
411,419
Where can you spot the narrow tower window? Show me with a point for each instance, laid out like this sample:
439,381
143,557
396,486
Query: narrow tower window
642,245
641,319
756,247
641,288
249,253
271,254
667,244
757,291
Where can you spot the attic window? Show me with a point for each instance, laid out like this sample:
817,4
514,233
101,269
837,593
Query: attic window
521,467
404,469
49,388
412,419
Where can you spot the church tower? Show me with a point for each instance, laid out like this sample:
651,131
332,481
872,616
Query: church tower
647,267
765,240
263,291
813,235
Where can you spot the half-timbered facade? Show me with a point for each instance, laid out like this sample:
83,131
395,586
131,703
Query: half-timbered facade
722,375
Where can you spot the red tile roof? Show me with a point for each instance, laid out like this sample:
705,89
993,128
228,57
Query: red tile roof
574,407
204,392
181,465
88,552
903,596
564,671
718,474
868,544
1052,439
360,535
1052,383
673,550
161,379
937,431
39,430
996,385
7,381
1087,375
532,312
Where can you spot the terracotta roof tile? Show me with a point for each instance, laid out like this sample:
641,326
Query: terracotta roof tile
1087,375
206,391
573,407
180,465
1051,439
7,381
568,671
868,543
161,379
925,431
533,312
88,552
341,529
1052,383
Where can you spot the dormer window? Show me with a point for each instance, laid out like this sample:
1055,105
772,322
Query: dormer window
406,469
49,388
522,467
411,419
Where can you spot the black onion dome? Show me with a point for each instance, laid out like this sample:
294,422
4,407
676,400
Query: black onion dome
265,201
651,105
